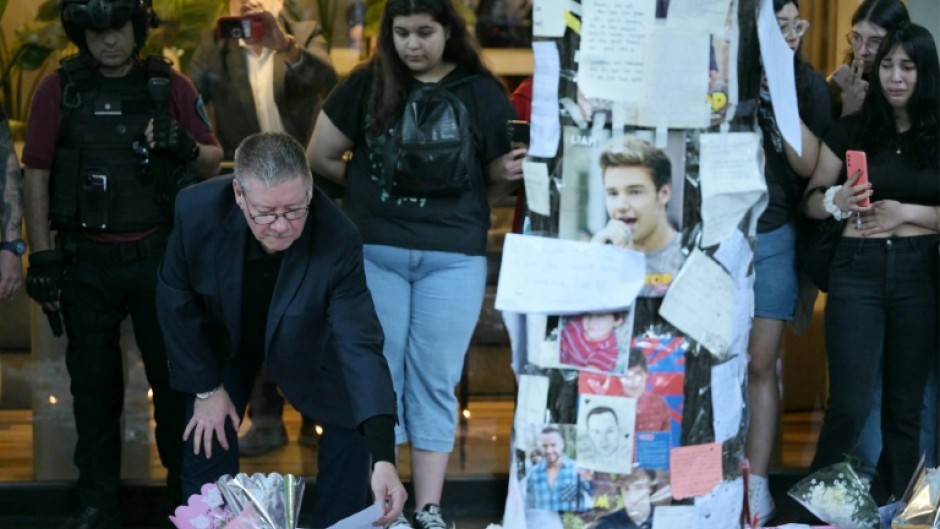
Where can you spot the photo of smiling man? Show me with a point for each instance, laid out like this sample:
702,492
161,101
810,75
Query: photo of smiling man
637,180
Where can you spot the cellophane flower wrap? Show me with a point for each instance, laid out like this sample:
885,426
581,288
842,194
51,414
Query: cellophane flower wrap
837,496
260,501
920,509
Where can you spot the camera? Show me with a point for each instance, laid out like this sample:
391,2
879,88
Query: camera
249,27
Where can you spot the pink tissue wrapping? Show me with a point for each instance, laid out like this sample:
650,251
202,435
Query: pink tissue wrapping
202,511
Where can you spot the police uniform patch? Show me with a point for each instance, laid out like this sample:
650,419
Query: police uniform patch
201,111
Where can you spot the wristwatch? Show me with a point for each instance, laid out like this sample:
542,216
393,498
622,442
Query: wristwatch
18,247
207,394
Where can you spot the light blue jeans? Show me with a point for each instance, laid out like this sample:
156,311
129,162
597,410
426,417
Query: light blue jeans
428,304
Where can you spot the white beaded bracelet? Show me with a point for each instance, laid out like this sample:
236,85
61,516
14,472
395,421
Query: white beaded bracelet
829,204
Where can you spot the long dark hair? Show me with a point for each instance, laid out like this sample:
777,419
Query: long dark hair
878,126
886,14
392,77
800,66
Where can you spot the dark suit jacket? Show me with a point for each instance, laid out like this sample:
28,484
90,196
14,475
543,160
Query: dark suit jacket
323,344
220,72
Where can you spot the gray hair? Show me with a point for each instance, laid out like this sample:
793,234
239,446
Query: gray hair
271,158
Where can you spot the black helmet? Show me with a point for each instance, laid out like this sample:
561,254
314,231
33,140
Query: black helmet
79,15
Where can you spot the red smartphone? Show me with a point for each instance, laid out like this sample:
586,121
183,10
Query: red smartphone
855,161
239,28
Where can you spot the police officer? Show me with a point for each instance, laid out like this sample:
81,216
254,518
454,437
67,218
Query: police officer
111,138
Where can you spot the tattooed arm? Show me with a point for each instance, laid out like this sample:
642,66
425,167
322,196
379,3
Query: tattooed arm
11,213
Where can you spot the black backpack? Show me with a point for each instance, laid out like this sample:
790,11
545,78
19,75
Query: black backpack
430,150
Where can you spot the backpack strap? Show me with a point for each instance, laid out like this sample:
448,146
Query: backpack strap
75,78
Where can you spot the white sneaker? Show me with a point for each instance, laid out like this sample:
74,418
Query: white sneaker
399,523
759,500
430,517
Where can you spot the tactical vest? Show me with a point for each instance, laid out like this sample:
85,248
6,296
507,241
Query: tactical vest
104,178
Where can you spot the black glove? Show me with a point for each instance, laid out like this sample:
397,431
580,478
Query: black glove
44,275
168,136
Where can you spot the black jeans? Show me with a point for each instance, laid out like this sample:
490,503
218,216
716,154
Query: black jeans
96,297
343,460
881,308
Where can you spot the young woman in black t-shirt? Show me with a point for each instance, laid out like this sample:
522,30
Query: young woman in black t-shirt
424,254
882,307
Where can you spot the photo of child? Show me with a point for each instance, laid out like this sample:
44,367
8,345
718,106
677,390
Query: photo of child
595,341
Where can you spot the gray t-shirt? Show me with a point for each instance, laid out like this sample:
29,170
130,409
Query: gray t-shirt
661,268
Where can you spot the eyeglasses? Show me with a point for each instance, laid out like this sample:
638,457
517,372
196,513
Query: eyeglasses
797,27
857,41
271,218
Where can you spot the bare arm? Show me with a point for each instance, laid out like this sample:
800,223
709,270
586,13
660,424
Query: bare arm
326,150
803,164
504,174
206,165
36,194
11,215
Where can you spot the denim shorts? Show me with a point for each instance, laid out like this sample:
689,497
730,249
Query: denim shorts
775,282
428,304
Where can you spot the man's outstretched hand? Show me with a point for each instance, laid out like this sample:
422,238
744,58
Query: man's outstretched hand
209,420
388,491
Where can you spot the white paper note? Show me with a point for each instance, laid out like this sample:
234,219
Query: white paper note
537,193
545,124
700,303
727,398
736,256
673,516
698,14
777,58
731,182
548,18
676,79
361,520
532,403
553,276
613,48
721,508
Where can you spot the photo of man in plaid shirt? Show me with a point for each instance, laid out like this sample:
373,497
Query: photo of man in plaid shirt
555,483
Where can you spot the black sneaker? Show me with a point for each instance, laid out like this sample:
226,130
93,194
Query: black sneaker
430,517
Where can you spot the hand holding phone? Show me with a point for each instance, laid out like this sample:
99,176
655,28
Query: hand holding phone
518,132
856,161
246,27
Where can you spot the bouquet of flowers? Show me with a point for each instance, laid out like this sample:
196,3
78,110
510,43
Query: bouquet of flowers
259,501
919,508
836,495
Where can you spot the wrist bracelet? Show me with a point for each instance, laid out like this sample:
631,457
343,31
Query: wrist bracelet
207,394
829,204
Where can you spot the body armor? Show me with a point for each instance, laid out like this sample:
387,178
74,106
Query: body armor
104,178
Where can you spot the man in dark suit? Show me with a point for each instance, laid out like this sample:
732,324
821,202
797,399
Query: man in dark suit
274,83
264,267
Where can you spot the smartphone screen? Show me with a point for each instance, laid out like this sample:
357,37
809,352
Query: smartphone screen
855,161
518,132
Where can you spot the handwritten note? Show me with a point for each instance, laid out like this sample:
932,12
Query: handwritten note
673,516
676,79
613,47
361,520
552,276
732,182
537,189
545,123
721,507
694,470
728,397
548,18
736,255
533,400
697,14
777,59
700,303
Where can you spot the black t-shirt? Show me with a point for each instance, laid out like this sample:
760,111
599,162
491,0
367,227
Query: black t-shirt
447,224
784,187
891,172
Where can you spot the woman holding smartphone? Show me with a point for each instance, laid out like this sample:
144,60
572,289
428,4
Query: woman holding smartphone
425,257
881,311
